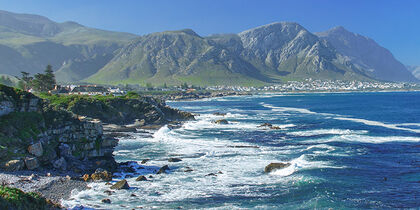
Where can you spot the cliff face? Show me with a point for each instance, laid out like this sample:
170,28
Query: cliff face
34,134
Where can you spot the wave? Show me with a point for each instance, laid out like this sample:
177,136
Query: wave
377,123
299,164
327,132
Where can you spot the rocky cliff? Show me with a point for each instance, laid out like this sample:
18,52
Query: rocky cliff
34,134
367,55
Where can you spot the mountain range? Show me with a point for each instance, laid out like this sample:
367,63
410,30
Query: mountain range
267,54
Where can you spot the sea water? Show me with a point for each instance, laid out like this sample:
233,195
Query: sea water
346,150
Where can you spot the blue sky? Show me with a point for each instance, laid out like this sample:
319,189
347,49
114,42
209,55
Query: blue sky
394,24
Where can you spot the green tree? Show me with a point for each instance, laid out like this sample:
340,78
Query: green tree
25,82
44,82
165,86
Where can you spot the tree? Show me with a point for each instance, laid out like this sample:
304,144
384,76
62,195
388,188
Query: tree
44,82
165,86
49,78
184,86
25,81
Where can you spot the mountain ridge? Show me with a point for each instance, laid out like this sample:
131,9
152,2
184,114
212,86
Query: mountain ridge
267,54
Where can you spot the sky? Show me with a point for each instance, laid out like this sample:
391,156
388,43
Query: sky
394,24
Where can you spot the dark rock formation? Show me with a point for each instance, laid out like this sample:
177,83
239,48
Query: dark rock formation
274,166
120,185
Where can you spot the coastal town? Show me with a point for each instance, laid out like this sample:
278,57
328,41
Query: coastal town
308,85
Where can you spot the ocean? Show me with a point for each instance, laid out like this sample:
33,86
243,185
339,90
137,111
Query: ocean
346,150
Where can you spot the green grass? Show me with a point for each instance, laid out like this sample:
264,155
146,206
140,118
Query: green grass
12,198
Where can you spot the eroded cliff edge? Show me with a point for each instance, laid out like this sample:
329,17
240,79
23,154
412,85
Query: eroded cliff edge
66,133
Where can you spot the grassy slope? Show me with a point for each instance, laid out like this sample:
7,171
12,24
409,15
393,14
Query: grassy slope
12,198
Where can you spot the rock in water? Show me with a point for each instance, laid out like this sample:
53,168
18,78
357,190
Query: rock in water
274,166
106,200
145,161
174,160
163,169
219,114
221,122
101,175
120,185
141,178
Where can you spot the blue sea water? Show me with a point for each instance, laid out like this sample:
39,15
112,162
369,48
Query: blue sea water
347,150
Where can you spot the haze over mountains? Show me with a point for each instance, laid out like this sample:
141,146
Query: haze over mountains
267,54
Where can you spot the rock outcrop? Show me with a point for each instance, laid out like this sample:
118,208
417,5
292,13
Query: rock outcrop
34,134
275,166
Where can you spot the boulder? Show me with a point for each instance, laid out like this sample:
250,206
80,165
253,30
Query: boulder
14,165
101,175
265,125
219,114
221,122
145,161
163,169
86,177
106,200
60,164
174,160
274,166
120,185
36,149
31,163
141,178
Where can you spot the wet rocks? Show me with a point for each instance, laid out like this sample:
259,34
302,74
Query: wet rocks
188,169
141,178
174,160
86,177
269,125
221,122
145,161
219,114
274,166
106,200
163,169
101,175
120,185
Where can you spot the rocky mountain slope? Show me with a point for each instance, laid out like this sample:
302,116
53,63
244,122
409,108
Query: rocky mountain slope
367,55
267,54
30,42
415,70
261,55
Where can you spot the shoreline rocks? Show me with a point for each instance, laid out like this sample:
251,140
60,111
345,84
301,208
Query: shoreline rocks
275,166
120,185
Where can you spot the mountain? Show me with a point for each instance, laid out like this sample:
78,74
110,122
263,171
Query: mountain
415,70
266,54
30,42
174,57
367,55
